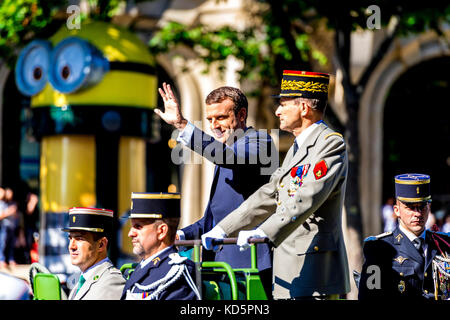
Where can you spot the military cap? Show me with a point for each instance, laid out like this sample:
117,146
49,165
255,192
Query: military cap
90,219
412,187
305,84
155,205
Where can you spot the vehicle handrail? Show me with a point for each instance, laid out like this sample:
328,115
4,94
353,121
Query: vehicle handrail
225,241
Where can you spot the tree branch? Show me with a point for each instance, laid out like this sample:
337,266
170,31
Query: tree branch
282,20
381,52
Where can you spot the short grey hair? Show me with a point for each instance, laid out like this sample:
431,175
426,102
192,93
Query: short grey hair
315,104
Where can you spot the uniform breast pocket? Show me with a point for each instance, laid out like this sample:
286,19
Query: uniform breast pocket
321,242
404,271
404,279
317,257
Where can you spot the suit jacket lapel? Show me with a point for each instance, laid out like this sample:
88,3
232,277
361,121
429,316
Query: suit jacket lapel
432,250
431,253
406,245
96,274
137,275
214,183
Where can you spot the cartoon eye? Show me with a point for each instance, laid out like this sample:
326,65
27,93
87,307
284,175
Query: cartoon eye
76,65
32,67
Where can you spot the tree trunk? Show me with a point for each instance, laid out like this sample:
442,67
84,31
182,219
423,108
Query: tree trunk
351,134
352,196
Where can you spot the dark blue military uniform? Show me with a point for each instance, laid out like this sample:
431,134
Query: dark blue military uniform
139,285
168,276
403,271
394,267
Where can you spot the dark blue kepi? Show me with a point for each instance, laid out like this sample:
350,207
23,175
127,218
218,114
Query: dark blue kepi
155,205
412,187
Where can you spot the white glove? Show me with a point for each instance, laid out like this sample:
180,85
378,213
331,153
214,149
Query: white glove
215,233
243,237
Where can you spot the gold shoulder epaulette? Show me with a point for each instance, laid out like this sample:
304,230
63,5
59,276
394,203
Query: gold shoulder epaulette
334,134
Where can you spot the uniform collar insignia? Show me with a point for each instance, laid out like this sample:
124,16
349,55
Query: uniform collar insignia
320,169
400,259
398,237
156,260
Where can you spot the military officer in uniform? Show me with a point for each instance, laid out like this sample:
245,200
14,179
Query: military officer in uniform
88,230
399,264
162,273
300,208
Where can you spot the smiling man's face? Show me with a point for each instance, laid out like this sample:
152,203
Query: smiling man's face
223,120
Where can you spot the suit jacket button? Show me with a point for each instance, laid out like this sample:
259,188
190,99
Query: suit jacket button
316,248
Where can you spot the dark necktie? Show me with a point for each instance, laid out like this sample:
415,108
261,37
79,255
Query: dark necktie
418,243
295,147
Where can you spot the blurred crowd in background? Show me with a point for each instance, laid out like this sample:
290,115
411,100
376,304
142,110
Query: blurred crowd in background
438,220
19,229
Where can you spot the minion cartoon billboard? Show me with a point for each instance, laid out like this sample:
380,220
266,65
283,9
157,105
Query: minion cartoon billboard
93,91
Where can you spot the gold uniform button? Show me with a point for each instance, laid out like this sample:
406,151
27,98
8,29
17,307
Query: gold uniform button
426,291
401,274
316,248
282,185
279,203
425,274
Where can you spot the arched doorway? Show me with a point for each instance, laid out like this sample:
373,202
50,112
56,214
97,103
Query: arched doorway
403,57
417,127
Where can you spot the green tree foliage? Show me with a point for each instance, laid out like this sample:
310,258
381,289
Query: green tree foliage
23,20
20,20
258,46
283,40
280,36
284,33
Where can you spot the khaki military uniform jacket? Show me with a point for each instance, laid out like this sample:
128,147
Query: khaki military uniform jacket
300,210
106,283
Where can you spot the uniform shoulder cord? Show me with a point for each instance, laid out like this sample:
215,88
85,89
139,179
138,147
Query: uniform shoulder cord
178,269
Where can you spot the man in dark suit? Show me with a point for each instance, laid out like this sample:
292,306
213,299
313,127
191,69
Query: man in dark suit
162,274
244,160
403,263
